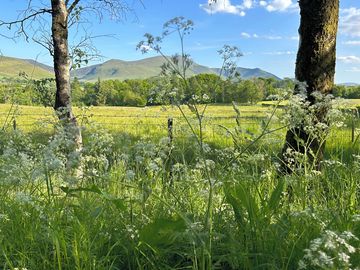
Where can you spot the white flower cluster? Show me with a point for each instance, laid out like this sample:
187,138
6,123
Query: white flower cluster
330,251
316,118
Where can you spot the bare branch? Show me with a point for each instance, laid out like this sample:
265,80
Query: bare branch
21,22
73,5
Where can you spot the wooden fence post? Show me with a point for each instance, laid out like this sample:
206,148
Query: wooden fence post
170,130
354,114
171,137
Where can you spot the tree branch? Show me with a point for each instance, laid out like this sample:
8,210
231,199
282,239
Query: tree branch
21,22
72,6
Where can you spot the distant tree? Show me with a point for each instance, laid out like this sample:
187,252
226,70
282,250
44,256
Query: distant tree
133,99
209,84
43,91
77,91
90,95
248,92
340,91
315,65
139,86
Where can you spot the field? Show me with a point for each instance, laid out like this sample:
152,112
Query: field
142,201
151,122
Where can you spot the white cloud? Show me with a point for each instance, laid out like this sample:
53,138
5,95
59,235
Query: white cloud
145,48
354,69
247,4
350,21
350,59
272,37
352,42
278,5
280,53
295,38
225,6
263,3
269,37
245,35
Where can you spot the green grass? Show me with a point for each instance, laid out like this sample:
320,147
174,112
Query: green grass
151,122
141,122
142,203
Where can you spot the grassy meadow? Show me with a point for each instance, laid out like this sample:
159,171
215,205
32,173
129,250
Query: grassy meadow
143,202
151,122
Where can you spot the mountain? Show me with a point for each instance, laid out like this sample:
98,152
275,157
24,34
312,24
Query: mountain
11,67
41,65
349,84
113,69
150,67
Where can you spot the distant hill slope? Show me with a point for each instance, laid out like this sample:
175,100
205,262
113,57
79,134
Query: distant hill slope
11,67
349,84
150,67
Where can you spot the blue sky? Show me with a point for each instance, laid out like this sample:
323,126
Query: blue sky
265,31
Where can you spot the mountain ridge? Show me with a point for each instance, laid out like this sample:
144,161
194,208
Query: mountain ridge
113,69
11,67
150,67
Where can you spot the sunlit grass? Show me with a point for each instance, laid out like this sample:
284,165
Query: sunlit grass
151,122
144,204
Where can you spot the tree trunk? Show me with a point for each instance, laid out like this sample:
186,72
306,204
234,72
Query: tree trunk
62,71
62,77
315,65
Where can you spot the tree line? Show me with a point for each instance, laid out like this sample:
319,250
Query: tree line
208,88
347,92
146,92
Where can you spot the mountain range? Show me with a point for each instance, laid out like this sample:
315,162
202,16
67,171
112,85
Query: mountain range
349,84
151,67
113,69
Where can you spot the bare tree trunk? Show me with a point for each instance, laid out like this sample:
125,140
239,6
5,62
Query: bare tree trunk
62,71
315,64
62,77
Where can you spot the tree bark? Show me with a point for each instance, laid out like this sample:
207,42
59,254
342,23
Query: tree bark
315,65
62,69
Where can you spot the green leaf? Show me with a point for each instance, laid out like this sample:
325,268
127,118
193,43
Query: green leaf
119,203
275,197
69,191
162,232
247,200
236,205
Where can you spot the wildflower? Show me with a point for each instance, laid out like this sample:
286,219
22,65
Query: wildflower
356,218
153,166
4,217
330,250
206,148
130,175
205,97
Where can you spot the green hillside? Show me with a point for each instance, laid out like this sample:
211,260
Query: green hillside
150,67
11,67
113,69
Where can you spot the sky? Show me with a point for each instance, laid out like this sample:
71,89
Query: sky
266,32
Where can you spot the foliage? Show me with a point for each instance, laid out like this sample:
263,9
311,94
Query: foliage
139,92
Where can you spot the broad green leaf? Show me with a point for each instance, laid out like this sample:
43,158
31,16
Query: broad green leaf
162,232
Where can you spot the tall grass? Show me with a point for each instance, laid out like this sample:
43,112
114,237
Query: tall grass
144,203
